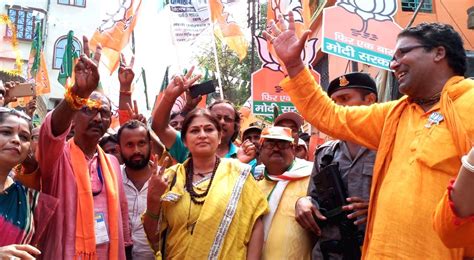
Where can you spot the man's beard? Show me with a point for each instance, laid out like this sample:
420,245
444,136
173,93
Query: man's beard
134,164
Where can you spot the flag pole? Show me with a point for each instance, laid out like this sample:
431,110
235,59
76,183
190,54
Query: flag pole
218,70
214,47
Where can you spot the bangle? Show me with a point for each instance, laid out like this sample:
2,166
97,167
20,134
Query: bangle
126,93
74,101
151,215
466,164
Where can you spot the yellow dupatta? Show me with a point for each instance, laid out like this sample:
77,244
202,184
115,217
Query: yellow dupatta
451,91
85,235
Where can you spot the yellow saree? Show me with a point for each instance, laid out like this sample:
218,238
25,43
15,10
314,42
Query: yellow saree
220,228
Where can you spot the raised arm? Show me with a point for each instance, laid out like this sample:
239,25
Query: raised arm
125,76
157,186
161,115
361,124
85,82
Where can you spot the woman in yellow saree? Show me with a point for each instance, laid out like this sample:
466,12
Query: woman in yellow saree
210,208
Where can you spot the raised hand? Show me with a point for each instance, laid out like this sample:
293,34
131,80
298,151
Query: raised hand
7,98
360,208
180,84
246,152
191,102
157,184
86,71
134,114
286,43
125,73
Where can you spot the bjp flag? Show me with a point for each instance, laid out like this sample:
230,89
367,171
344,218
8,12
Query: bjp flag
42,78
300,9
114,33
227,30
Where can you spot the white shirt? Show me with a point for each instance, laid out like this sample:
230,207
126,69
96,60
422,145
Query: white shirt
136,206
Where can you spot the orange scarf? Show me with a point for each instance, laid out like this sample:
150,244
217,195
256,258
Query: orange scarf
85,231
453,89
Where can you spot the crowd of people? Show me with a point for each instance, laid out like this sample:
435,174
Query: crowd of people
395,182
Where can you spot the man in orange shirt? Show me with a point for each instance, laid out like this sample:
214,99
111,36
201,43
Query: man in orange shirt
419,139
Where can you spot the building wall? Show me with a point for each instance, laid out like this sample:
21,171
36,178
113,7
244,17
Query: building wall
450,12
7,57
61,19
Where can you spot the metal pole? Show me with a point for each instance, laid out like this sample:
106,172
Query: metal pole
218,70
214,47
252,28
146,89
415,13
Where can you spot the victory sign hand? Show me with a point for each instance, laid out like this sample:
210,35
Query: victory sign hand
86,71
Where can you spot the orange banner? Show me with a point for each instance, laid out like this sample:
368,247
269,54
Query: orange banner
114,33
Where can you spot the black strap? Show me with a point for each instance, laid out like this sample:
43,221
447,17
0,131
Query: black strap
101,179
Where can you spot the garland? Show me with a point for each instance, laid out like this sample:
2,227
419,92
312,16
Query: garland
4,19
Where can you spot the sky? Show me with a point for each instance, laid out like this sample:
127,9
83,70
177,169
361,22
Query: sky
154,49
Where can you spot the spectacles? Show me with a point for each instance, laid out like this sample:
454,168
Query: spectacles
104,113
15,112
227,119
401,52
270,144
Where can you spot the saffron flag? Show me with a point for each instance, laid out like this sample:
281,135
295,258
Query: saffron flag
69,60
114,33
42,78
301,12
37,65
227,30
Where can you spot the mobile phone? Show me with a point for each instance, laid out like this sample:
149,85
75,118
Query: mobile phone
22,90
202,89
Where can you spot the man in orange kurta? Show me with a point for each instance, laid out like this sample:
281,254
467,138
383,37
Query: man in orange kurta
419,139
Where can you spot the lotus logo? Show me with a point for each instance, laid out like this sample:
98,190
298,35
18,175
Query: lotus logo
119,16
270,62
283,7
380,10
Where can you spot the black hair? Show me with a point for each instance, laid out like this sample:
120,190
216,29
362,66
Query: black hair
108,139
438,34
236,116
174,114
196,113
132,124
14,112
365,92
